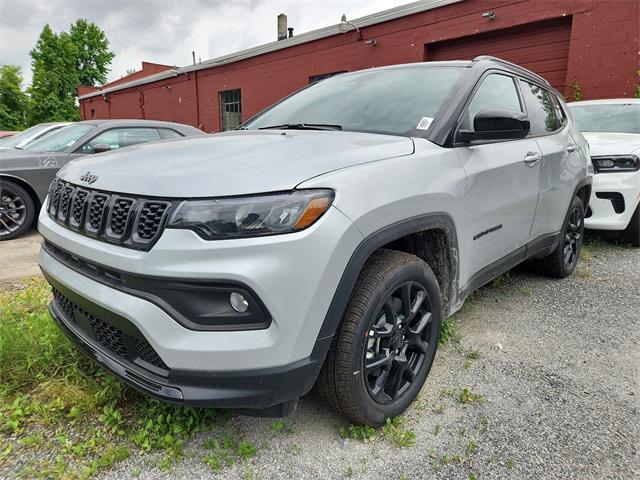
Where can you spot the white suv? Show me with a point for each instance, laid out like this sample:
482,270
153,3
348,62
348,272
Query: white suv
322,243
612,128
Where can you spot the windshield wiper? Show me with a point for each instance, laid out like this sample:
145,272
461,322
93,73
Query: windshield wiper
303,126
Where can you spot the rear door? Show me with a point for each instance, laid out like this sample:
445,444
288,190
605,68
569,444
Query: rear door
503,179
561,162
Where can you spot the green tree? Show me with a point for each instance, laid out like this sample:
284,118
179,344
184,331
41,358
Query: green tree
13,101
55,78
93,56
60,63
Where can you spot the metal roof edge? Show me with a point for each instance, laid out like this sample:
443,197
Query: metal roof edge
362,22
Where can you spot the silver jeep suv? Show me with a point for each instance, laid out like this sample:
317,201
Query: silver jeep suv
320,244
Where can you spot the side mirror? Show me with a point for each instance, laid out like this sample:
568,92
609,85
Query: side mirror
101,147
496,125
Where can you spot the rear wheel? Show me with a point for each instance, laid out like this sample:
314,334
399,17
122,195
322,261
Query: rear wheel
17,210
632,233
385,346
562,262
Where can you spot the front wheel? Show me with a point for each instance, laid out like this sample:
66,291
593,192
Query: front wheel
386,343
562,262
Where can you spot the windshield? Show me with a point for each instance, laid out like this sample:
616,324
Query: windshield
18,138
60,139
398,101
615,118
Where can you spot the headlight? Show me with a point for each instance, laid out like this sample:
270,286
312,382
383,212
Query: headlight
238,217
616,163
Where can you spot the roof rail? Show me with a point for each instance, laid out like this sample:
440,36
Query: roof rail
512,65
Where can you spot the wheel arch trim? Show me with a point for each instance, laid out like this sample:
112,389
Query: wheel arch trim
24,184
373,242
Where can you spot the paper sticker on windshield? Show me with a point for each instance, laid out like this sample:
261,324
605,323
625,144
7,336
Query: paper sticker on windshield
424,123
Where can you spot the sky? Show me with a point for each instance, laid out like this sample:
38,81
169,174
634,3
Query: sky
167,31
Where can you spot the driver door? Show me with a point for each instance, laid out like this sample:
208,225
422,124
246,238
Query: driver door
502,182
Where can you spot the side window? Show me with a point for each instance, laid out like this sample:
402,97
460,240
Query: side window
497,92
167,133
541,109
121,137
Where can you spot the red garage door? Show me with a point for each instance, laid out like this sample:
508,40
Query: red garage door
540,47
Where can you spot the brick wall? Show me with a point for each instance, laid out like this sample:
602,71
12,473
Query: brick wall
603,58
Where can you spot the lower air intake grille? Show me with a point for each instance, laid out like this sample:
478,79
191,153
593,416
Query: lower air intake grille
616,199
108,336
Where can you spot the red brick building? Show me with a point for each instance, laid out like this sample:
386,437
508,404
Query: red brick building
587,46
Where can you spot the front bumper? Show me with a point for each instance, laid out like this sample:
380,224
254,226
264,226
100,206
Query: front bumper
250,389
294,276
602,212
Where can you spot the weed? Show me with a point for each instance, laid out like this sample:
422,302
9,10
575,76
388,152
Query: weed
438,409
449,332
576,90
278,427
471,448
500,280
472,354
246,450
466,397
509,464
349,472
400,436
436,429
358,432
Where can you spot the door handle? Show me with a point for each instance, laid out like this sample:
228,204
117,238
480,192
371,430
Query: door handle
571,147
531,158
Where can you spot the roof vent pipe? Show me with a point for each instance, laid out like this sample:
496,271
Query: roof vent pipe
290,31
282,26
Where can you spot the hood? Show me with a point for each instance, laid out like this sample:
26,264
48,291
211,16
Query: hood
232,163
612,143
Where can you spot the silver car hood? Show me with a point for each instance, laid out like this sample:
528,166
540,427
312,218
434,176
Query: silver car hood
232,163
612,143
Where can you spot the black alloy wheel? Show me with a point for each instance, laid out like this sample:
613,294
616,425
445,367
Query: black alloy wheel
573,237
398,342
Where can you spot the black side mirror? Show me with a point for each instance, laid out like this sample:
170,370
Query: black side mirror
496,125
101,147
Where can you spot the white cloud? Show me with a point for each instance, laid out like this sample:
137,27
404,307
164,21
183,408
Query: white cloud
166,31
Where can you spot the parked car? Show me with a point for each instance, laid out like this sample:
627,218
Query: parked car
612,128
7,133
25,174
31,134
320,244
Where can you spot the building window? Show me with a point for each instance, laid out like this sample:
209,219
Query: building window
317,78
93,113
230,109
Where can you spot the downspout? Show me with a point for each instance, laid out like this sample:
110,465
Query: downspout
195,80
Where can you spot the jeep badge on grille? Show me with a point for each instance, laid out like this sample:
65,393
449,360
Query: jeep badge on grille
89,178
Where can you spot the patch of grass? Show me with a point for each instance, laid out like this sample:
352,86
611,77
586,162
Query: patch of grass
278,427
500,280
358,432
400,436
449,332
466,396
436,429
45,383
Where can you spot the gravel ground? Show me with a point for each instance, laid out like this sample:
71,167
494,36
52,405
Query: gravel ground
558,371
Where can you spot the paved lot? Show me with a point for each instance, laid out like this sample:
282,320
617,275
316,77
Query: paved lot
558,371
18,259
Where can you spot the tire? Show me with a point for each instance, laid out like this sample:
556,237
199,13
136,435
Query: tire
562,262
632,233
17,210
372,333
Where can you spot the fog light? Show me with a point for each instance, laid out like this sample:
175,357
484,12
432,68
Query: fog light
238,302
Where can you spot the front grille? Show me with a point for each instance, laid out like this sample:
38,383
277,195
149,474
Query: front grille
109,336
616,199
113,217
